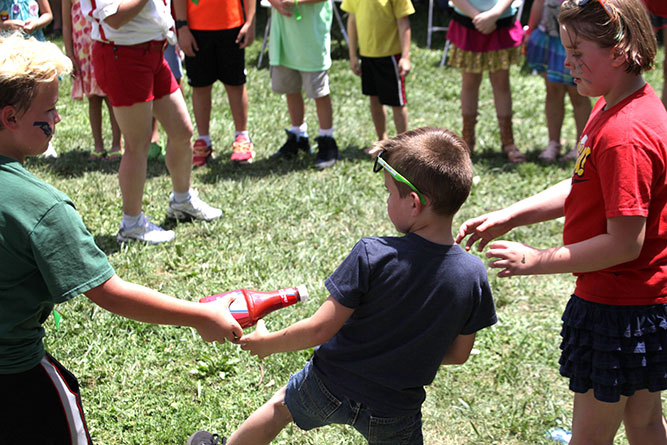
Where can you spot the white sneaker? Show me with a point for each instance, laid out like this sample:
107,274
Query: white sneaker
195,208
145,231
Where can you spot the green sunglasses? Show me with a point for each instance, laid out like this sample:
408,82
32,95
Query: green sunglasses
381,163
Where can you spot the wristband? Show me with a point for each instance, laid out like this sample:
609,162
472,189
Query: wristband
180,23
297,15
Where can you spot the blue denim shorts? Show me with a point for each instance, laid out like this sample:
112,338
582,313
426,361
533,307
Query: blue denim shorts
312,405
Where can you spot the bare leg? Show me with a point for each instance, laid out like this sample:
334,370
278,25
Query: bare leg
379,116
554,106
95,117
136,126
643,419
238,104
470,83
595,422
115,129
324,111
172,113
502,98
400,118
201,107
296,108
264,424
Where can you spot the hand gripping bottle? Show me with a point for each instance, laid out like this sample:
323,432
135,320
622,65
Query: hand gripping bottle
251,305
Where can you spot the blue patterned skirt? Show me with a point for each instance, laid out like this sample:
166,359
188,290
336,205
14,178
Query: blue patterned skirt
614,350
546,53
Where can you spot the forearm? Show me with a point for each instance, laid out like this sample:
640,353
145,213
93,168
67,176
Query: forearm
404,34
352,35
249,6
535,14
546,205
127,10
301,335
146,305
180,9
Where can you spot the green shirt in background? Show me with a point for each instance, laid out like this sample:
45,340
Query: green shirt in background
47,256
303,45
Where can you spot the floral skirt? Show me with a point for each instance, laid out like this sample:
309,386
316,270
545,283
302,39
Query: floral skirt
614,350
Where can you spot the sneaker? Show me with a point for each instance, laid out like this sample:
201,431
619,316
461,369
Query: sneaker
327,152
144,231
194,208
292,146
550,154
201,153
206,438
242,150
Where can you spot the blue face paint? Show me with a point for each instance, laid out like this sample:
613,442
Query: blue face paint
45,127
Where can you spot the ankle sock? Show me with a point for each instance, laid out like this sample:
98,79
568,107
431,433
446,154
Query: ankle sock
206,138
326,132
131,221
181,197
300,131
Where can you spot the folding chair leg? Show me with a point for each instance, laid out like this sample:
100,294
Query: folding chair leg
266,41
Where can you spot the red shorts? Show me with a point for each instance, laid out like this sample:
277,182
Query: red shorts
132,74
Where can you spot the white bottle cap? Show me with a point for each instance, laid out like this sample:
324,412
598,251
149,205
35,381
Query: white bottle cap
303,293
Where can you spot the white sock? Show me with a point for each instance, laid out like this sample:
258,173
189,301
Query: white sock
301,130
327,132
242,133
131,221
206,138
181,197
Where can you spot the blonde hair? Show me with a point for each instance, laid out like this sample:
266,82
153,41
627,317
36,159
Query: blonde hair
25,63
627,28
436,161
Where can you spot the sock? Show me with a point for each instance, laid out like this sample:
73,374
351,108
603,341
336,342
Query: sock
301,130
181,197
328,132
206,138
242,133
131,221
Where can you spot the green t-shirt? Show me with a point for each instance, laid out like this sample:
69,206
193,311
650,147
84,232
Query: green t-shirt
303,45
47,256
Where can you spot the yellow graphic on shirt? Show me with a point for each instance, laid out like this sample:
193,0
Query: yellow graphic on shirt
4,15
583,152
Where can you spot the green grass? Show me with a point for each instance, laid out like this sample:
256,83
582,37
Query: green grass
287,224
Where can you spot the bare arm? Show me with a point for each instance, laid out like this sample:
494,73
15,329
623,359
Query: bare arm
309,332
404,34
45,17
212,320
247,32
460,350
127,10
544,206
352,47
622,243
186,40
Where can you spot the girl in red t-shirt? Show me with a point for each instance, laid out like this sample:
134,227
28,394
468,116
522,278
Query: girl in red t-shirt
614,348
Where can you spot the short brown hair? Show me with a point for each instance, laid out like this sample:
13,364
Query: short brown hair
627,27
436,162
25,63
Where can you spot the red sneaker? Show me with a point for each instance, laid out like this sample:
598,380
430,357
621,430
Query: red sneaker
201,153
242,150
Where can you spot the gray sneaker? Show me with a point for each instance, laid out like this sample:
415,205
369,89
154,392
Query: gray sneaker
144,231
206,438
195,208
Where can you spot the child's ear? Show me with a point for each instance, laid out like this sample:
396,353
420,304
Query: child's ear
618,57
9,117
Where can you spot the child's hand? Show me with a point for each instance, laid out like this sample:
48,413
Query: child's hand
254,342
29,26
246,35
284,7
12,25
485,22
218,323
404,66
187,42
355,65
484,228
513,258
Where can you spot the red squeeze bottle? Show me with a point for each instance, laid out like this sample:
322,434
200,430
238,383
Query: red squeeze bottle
251,305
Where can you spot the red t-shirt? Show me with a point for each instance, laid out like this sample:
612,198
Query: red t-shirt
622,171
214,15
657,7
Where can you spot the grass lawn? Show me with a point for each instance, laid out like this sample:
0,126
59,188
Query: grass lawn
285,224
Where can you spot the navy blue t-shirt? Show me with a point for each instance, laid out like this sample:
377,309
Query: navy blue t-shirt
411,299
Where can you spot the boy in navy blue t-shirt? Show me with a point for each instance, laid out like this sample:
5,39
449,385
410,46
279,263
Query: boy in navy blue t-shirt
399,308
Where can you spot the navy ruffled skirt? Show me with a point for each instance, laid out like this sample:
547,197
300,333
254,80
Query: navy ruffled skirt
614,350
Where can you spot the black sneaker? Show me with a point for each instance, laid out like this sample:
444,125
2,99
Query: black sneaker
206,438
292,146
327,152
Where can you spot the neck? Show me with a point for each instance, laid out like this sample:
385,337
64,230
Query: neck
437,229
629,85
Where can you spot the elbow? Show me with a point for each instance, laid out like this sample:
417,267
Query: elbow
114,22
455,359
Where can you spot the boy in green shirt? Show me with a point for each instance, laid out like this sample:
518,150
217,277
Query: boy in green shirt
47,257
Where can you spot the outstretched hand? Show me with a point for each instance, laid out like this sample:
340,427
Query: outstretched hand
219,325
255,342
484,229
513,258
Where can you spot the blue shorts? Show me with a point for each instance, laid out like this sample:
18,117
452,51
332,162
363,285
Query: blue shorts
312,405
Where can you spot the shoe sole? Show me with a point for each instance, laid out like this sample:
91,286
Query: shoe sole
325,164
120,239
184,216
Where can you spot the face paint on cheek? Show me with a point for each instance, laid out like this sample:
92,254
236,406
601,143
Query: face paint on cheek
45,127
